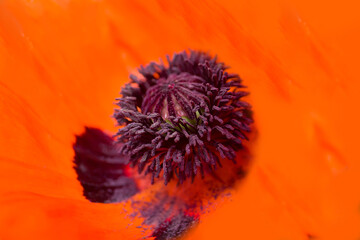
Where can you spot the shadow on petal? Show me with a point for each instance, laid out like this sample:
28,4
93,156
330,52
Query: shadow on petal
101,170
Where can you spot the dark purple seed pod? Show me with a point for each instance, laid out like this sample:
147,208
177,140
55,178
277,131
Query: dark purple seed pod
182,118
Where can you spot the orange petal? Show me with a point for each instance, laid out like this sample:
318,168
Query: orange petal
62,64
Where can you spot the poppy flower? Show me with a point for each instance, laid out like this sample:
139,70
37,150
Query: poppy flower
63,63
179,121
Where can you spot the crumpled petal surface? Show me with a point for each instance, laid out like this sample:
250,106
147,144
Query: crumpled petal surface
62,64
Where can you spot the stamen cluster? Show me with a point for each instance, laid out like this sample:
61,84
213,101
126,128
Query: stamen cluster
180,119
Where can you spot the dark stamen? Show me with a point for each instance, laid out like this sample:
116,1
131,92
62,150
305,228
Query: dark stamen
183,117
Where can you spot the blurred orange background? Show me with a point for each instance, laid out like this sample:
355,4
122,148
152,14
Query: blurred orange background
63,62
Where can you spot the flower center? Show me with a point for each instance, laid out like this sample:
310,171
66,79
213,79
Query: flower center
182,118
